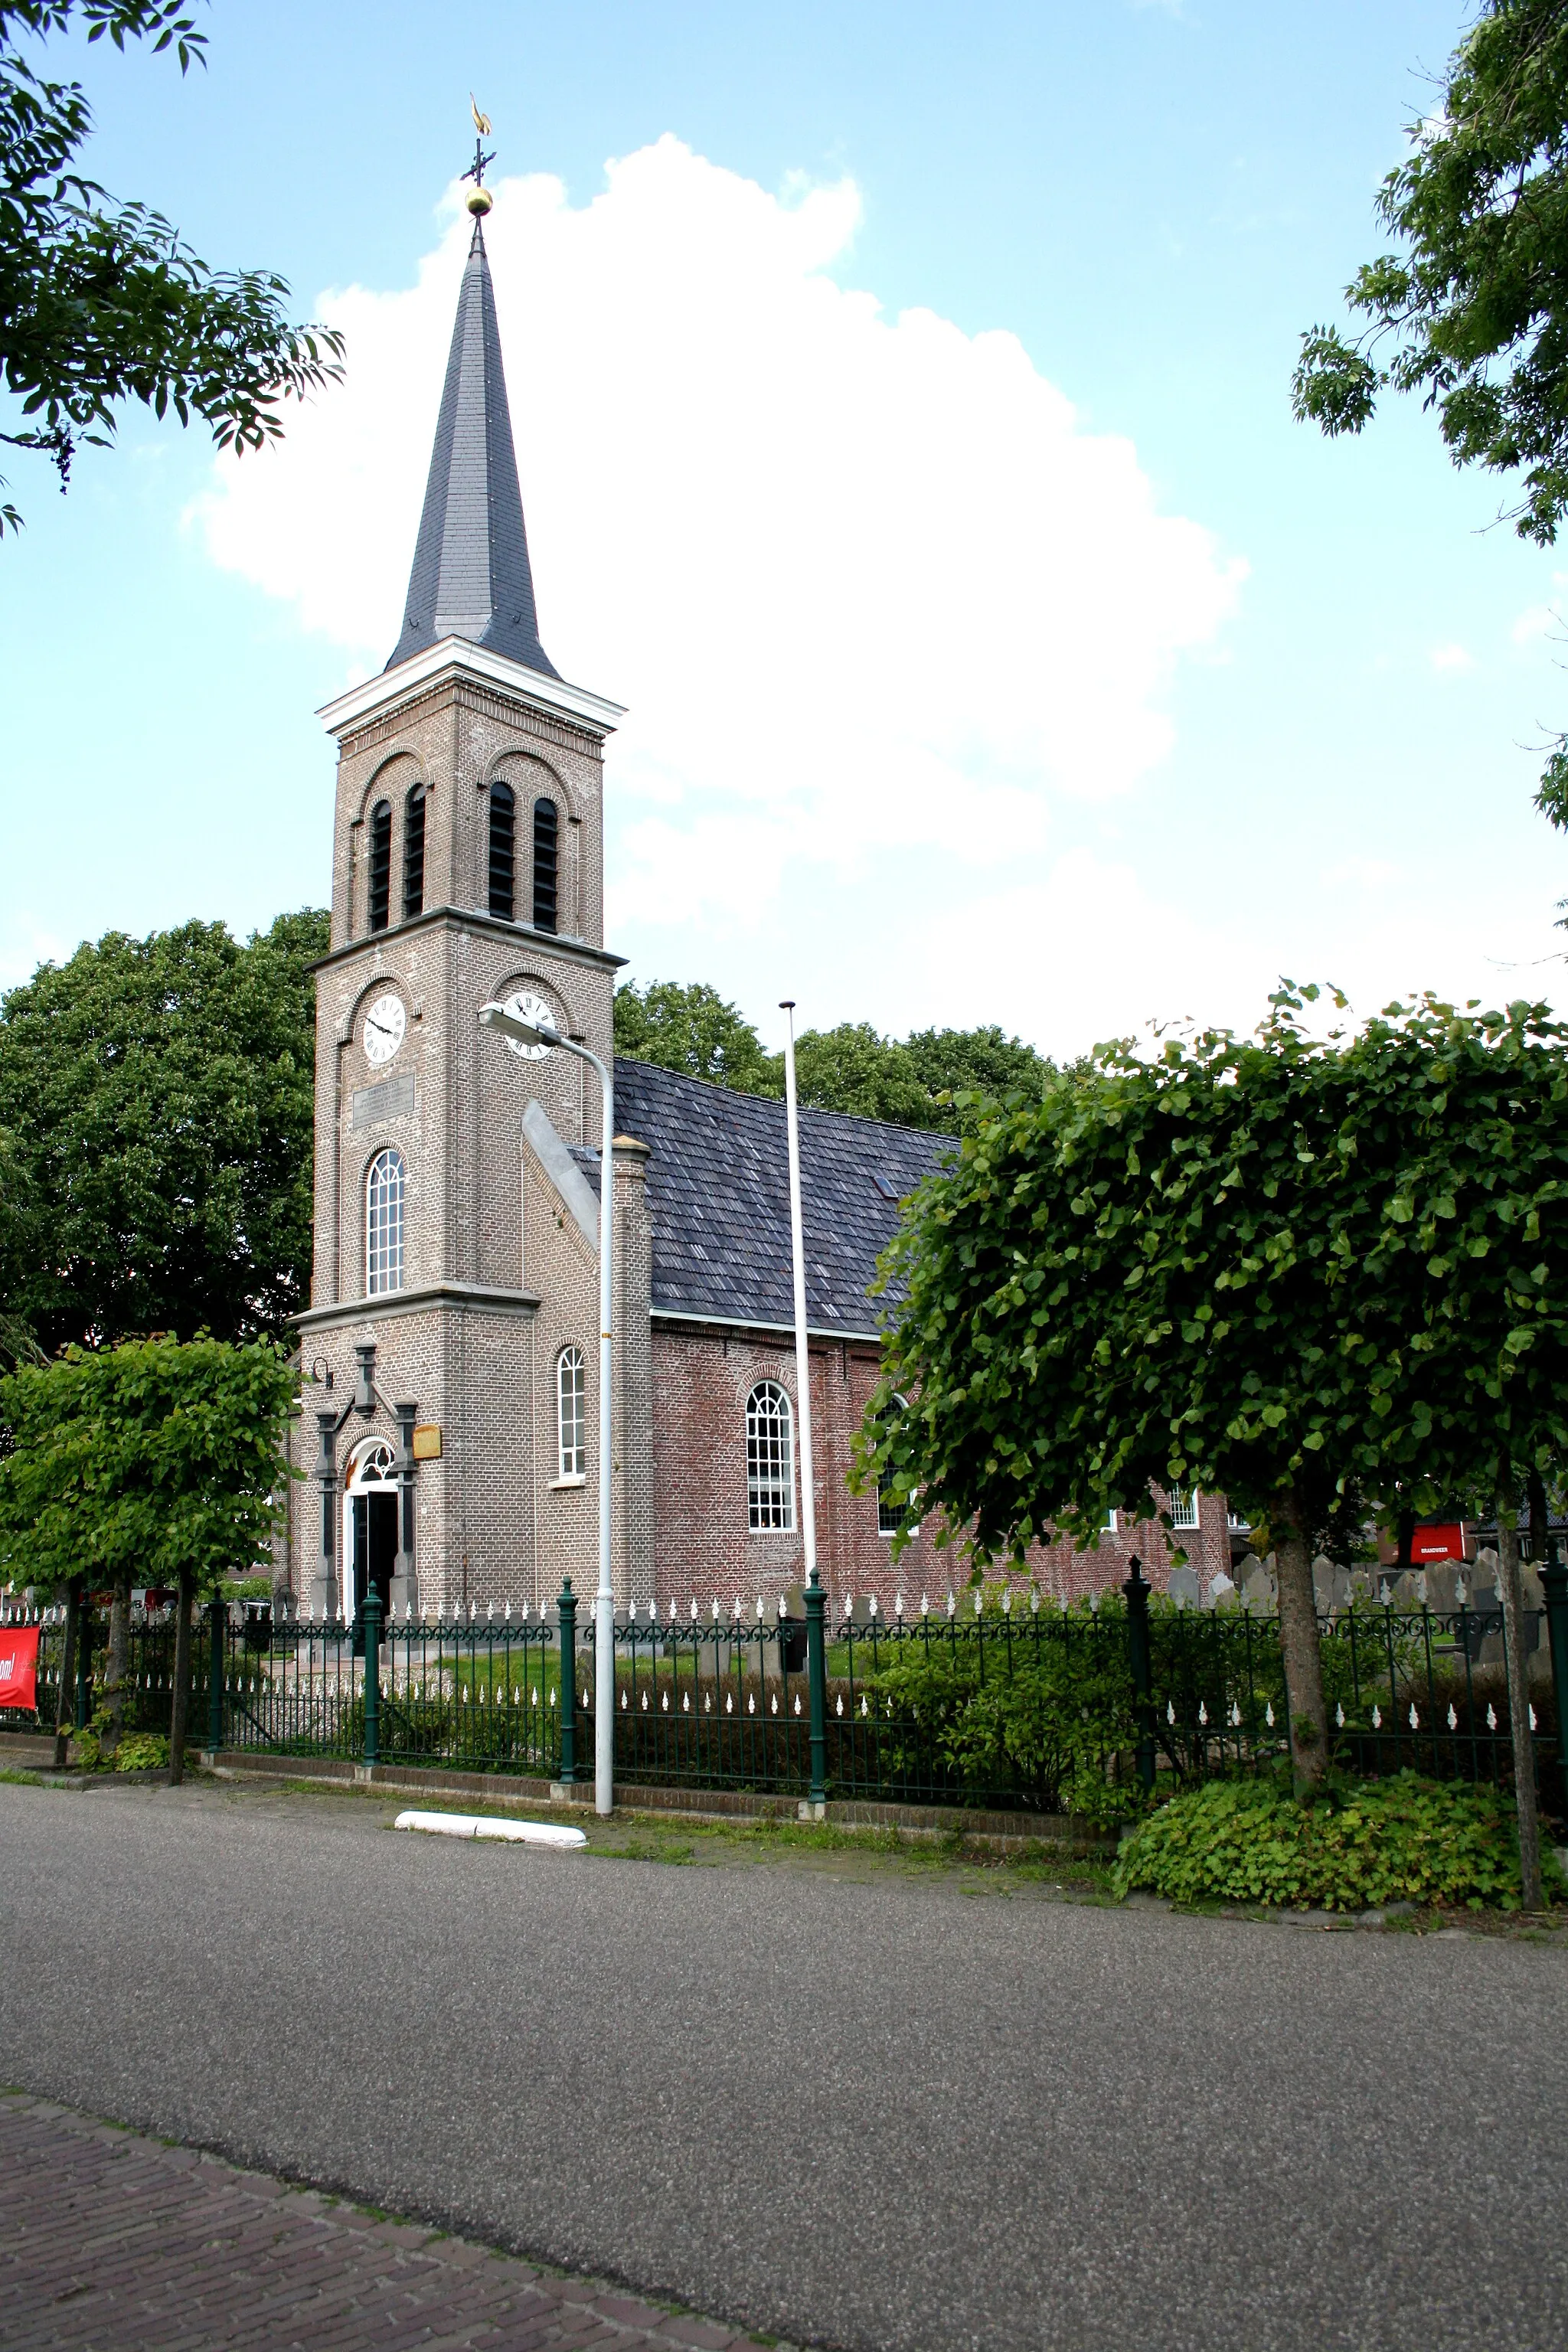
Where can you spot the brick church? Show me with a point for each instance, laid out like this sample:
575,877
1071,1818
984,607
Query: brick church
451,1349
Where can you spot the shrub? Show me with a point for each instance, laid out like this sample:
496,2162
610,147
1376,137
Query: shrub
142,1751
1400,1839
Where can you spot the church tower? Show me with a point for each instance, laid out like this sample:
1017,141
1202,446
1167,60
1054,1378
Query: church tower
453,1300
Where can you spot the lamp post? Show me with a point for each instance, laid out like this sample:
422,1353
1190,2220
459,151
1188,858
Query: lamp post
524,1033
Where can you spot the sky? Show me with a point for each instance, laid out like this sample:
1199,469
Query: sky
902,403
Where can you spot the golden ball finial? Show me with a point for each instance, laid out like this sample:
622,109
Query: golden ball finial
479,201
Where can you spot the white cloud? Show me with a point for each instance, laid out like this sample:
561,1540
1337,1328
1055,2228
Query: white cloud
1454,659
859,579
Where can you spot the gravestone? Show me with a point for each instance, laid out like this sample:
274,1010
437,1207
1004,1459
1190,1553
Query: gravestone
1258,1591
1331,1585
1444,1578
1220,1589
1182,1587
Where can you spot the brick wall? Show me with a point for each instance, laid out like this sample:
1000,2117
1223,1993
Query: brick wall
704,1551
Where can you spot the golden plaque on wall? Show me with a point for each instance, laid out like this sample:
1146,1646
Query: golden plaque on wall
427,1440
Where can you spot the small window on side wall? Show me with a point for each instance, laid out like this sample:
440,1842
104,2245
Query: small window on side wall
384,1223
770,1460
413,853
503,851
892,1508
380,865
1184,1507
571,1414
546,864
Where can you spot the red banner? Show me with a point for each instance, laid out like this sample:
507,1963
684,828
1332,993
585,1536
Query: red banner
19,1665
1427,1544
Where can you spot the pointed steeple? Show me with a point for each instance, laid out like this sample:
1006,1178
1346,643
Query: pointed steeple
471,576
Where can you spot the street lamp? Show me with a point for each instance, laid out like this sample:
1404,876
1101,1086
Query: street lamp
526,1033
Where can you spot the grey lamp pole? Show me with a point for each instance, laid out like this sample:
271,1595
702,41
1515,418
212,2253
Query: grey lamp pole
496,1016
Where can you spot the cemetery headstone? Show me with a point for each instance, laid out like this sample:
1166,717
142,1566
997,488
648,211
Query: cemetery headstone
1182,1587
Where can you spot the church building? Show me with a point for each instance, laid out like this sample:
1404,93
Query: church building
450,1350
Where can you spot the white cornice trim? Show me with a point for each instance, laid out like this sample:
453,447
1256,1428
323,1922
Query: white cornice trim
422,669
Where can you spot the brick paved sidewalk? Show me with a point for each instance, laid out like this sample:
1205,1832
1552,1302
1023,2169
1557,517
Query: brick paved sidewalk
110,2242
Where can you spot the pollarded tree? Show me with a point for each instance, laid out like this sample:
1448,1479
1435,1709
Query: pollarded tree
1285,1268
153,1460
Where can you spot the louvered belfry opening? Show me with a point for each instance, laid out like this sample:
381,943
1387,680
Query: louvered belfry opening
380,865
413,853
503,851
546,863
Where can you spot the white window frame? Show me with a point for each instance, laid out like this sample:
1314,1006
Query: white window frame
770,1460
570,1416
1108,1525
385,1191
1182,1502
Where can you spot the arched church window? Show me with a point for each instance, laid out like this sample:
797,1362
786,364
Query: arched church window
380,865
770,1460
891,1510
503,851
546,860
384,1223
414,853
571,1414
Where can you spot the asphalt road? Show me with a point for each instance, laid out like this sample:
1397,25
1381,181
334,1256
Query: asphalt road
880,2114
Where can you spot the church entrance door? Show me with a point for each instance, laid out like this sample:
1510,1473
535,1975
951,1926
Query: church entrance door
372,1504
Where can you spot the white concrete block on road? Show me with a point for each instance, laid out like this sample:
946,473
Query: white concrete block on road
477,1826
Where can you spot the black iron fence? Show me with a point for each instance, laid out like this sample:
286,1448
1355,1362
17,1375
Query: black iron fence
997,1700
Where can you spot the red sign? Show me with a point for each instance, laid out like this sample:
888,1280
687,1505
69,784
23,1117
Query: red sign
1427,1544
18,1666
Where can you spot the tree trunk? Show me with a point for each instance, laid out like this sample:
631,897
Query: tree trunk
1519,1707
1299,1647
117,1666
65,1707
180,1704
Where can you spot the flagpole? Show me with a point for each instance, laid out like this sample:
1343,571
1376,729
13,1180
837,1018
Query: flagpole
797,1252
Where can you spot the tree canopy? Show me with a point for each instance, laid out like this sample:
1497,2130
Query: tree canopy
158,1099
1472,310
851,1068
156,1459
101,301
1287,1269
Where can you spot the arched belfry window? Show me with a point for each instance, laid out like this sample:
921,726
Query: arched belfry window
384,1223
503,851
571,1414
546,863
380,865
770,1460
414,853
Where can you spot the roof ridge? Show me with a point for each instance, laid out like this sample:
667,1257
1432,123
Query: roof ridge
807,1110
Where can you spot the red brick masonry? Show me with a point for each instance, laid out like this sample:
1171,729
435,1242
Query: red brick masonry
114,2241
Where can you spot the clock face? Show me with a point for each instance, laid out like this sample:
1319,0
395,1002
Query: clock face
383,1026
523,1005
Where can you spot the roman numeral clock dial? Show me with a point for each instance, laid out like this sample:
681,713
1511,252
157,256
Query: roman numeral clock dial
383,1026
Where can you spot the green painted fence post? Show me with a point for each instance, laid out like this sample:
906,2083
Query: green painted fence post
369,1611
1554,1585
217,1629
816,1681
567,1605
1137,1590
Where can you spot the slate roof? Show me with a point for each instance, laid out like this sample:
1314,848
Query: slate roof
471,576
718,1184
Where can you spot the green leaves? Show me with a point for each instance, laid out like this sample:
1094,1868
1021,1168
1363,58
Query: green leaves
1352,1355
150,1460
102,302
158,1099
1397,1840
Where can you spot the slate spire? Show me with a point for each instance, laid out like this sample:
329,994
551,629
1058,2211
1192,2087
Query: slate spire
471,576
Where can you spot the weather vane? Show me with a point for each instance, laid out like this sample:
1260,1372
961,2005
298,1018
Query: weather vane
480,198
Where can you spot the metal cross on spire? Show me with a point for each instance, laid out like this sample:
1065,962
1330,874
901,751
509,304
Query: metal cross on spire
480,199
